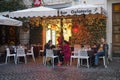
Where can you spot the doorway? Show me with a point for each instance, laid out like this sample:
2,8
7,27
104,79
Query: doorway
116,29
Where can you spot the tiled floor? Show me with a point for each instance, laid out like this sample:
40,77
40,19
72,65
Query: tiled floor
37,71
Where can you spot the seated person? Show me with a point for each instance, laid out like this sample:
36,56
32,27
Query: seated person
53,46
47,46
66,52
101,51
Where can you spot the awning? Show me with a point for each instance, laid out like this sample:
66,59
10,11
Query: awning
80,9
35,12
9,21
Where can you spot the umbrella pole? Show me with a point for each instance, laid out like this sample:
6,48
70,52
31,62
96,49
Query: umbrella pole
61,33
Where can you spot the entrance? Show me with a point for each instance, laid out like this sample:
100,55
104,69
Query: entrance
54,27
51,35
116,30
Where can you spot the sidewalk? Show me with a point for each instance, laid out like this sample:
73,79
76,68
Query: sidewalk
37,71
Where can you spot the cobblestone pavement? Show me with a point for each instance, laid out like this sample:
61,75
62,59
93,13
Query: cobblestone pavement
37,71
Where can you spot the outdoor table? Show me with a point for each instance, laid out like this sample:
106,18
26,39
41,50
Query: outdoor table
90,53
57,51
36,50
92,57
2,57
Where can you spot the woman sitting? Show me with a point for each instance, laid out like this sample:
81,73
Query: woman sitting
66,52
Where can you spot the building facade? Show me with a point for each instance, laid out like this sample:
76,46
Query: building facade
111,7
113,26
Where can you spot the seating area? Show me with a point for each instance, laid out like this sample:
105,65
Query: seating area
31,53
49,54
79,56
87,56
8,55
18,52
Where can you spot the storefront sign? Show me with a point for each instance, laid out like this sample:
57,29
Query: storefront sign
78,10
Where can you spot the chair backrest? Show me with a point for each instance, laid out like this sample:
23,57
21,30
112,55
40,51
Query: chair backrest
7,51
106,50
20,52
76,50
32,49
77,46
83,53
49,53
15,49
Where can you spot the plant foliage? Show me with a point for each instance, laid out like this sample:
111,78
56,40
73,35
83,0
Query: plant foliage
11,5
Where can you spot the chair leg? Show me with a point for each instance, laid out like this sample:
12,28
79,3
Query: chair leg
87,63
70,61
81,62
25,59
14,59
53,62
33,58
6,60
44,60
104,61
78,62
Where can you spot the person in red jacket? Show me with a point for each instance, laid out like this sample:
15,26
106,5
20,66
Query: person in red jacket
66,52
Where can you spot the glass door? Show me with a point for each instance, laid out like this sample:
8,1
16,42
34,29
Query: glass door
51,35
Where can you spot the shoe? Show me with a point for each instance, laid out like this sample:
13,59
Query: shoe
59,64
67,64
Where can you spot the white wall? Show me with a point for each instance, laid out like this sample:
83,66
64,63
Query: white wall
96,2
28,3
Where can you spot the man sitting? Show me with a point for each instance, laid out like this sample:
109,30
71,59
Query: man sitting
101,51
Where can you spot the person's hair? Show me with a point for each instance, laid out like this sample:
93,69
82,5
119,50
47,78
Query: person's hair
82,46
49,41
66,42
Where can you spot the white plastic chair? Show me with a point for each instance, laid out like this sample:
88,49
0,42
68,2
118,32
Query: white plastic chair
104,61
21,53
41,52
50,54
9,55
83,55
105,57
31,53
75,55
14,48
76,47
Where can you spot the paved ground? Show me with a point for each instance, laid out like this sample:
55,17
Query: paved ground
37,71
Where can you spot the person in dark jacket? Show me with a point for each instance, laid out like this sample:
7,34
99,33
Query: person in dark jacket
103,47
47,46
